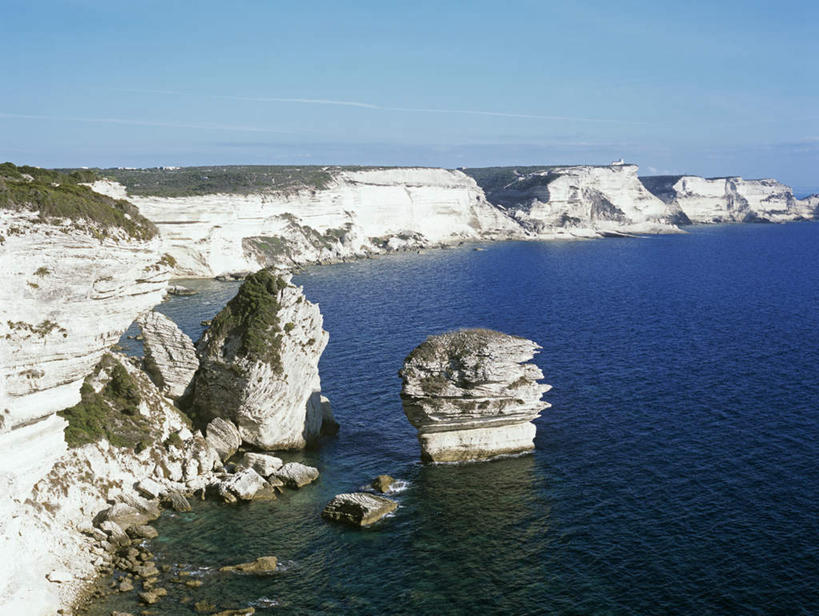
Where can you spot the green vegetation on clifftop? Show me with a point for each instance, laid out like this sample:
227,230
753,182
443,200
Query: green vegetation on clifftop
238,179
58,196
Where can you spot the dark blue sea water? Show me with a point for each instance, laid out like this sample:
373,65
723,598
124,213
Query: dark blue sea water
676,472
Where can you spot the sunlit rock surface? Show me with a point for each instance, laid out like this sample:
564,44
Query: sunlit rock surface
259,365
472,395
359,212
170,357
730,199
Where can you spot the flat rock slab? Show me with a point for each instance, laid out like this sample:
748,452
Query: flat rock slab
262,463
260,566
296,475
358,508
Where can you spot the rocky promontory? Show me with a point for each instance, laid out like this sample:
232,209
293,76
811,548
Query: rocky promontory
472,395
259,366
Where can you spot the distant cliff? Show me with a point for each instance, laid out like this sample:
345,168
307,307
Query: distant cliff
219,220
730,199
321,216
578,200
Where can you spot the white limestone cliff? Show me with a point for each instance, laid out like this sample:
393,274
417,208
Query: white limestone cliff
259,366
358,213
472,395
68,293
730,199
583,201
51,529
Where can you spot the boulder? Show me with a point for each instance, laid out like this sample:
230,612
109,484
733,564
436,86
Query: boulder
142,532
246,484
116,536
263,464
358,508
170,357
149,488
472,395
296,475
382,483
176,501
223,436
124,515
260,566
259,365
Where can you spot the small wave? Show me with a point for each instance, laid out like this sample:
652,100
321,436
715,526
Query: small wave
285,565
264,602
398,486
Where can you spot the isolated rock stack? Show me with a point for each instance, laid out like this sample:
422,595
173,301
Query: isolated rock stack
471,395
258,366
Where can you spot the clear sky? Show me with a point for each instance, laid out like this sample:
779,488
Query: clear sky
713,88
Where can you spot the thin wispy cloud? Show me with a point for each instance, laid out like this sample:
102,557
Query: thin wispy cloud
376,107
131,122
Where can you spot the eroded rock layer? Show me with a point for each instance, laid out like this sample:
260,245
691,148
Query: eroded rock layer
259,365
472,395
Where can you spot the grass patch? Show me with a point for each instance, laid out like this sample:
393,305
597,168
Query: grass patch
113,413
57,196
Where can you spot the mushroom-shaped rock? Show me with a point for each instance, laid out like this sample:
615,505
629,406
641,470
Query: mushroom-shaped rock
358,508
296,475
259,365
472,395
223,436
170,357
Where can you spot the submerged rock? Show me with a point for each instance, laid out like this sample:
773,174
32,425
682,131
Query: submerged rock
358,508
296,475
170,357
471,394
382,483
259,365
262,565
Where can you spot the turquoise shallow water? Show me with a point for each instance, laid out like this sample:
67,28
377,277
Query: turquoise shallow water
675,472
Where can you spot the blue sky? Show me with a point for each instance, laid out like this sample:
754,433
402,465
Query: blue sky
713,88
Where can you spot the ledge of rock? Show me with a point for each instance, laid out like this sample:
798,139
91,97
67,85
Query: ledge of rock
296,475
472,395
170,357
358,508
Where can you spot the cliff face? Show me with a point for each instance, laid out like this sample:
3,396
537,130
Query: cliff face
354,213
77,269
258,366
472,395
729,199
578,200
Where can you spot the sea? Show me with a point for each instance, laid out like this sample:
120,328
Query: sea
676,471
